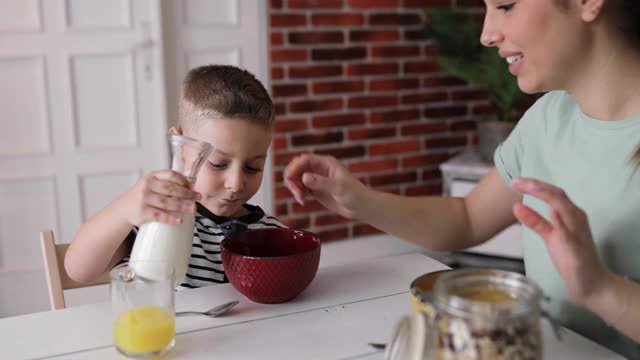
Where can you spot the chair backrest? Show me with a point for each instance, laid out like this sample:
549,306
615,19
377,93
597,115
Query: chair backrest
57,277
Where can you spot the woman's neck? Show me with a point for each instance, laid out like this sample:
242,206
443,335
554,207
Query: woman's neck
608,86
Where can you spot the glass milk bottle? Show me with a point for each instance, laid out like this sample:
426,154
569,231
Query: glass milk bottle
171,243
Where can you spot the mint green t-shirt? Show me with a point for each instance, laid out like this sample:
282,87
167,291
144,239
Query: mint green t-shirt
590,160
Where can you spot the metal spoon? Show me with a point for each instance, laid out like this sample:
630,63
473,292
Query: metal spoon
213,312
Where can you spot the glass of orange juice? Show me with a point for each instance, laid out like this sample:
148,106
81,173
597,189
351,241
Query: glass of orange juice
143,309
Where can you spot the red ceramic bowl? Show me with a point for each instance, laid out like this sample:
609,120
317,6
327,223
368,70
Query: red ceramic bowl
271,266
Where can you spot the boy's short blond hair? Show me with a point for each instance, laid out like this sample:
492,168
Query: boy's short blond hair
224,91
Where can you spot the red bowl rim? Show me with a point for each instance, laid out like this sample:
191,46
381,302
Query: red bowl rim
224,248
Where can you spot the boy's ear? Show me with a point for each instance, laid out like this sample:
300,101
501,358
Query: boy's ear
175,130
591,9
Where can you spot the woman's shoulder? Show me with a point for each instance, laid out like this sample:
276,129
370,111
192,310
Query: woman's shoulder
554,102
547,110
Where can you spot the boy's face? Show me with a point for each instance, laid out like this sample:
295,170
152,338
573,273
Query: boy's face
233,173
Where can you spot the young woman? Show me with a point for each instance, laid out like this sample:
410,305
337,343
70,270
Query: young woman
567,172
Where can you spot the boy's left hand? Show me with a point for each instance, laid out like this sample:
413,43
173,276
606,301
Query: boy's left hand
567,238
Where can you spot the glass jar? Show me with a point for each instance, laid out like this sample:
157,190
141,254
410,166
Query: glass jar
479,315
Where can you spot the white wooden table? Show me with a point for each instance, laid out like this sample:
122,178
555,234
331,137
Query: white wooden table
342,310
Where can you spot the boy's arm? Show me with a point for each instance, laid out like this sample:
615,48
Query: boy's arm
123,251
99,243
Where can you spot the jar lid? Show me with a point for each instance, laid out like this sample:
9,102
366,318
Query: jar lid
408,338
426,282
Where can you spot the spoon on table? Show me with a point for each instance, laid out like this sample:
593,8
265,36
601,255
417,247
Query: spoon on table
213,312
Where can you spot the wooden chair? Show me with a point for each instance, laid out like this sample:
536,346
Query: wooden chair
57,278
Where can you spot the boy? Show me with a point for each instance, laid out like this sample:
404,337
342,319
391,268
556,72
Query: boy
221,105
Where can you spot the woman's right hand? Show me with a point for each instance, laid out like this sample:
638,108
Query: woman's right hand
326,180
160,196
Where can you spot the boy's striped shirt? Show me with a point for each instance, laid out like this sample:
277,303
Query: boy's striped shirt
205,265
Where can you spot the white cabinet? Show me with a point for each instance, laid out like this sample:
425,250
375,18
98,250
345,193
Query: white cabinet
461,174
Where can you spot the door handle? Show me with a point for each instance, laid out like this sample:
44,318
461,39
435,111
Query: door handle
146,46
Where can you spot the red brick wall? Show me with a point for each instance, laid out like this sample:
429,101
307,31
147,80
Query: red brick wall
356,79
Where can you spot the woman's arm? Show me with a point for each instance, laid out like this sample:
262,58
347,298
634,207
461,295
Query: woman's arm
435,223
443,223
618,303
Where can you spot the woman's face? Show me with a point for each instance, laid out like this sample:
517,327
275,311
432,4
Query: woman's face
543,43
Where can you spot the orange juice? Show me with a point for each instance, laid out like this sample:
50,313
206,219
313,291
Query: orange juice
486,294
142,330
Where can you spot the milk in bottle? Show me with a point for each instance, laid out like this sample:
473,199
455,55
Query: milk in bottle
158,243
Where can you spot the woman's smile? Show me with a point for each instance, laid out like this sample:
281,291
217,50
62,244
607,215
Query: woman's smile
515,61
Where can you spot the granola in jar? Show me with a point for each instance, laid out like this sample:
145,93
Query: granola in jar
486,315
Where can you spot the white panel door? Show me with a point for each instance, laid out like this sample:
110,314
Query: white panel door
233,32
83,116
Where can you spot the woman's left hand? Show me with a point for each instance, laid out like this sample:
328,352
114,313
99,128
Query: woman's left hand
567,238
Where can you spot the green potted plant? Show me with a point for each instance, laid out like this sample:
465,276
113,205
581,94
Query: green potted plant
456,37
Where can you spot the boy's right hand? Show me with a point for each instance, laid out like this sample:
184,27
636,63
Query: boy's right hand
160,196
